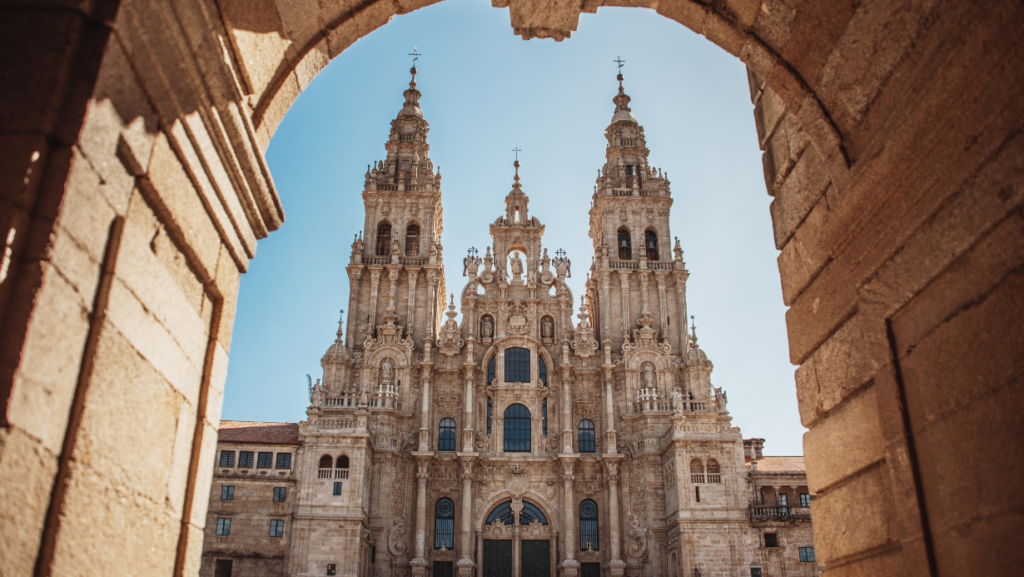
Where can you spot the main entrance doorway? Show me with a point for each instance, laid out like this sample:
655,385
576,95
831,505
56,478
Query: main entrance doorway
517,541
536,558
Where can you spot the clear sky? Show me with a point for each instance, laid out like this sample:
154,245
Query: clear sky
485,92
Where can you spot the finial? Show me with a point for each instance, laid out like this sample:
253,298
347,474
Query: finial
517,150
416,56
618,60
453,300
693,329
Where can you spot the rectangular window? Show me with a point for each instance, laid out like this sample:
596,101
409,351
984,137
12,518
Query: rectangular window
805,500
264,460
276,527
280,494
284,461
517,365
544,421
698,493
783,500
332,569
222,568
337,488
227,493
227,458
771,540
223,526
755,572
629,170
245,459
373,554
807,554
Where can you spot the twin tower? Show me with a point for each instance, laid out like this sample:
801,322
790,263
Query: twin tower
520,441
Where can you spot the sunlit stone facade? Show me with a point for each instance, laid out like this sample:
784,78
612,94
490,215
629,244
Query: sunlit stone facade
521,441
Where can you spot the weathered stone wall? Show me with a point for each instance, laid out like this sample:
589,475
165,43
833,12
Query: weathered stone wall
134,190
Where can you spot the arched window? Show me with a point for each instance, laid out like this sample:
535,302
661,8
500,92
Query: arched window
446,435
412,240
444,523
326,461
589,532
587,438
342,462
503,512
517,365
530,514
651,244
384,238
714,472
696,471
490,371
517,429
625,245
543,370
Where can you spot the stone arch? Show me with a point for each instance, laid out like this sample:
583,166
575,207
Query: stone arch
489,503
187,102
412,242
383,234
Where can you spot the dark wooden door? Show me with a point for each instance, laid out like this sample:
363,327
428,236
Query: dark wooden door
444,569
497,558
536,558
590,570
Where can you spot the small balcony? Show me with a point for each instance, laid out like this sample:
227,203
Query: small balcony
778,513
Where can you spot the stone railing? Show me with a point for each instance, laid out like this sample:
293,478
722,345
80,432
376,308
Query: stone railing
377,260
415,261
778,512
624,264
333,423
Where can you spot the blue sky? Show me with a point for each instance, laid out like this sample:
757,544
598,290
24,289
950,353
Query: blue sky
485,92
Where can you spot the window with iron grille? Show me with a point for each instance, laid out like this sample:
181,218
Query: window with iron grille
517,429
806,554
332,569
227,493
276,527
284,461
589,531
227,458
223,526
337,487
245,459
771,540
264,460
502,511
444,523
805,500
587,438
222,568
531,513
755,572
517,365
629,170
446,435
544,417
280,494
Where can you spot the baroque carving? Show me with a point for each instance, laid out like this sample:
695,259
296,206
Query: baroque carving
450,342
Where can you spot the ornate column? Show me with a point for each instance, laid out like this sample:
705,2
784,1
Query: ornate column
616,566
662,304
467,416
479,554
684,341
374,284
425,407
355,273
610,442
606,295
570,566
624,284
566,408
517,538
410,316
419,563
431,303
465,562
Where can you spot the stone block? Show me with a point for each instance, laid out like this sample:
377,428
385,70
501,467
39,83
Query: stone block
21,173
968,356
846,441
853,517
259,39
909,559
826,303
773,22
215,386
803,257
27,469
204,475
311,63
800,191
180,472
767,115
689,14
40,48
743,12
51,358
725,34
227,282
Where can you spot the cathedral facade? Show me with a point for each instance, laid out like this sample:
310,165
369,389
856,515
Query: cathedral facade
545,434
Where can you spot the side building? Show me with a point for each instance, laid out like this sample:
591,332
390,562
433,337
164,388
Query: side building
521,442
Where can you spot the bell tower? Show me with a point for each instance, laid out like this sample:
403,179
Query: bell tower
637,276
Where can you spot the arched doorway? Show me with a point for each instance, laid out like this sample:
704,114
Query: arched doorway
517,541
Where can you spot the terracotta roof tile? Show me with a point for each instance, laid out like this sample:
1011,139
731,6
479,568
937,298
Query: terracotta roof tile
780,465
256,432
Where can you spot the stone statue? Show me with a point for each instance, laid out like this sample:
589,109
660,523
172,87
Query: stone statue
720,399
386,371
649,381
486,328
677,400
317,398
547,328
517,265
